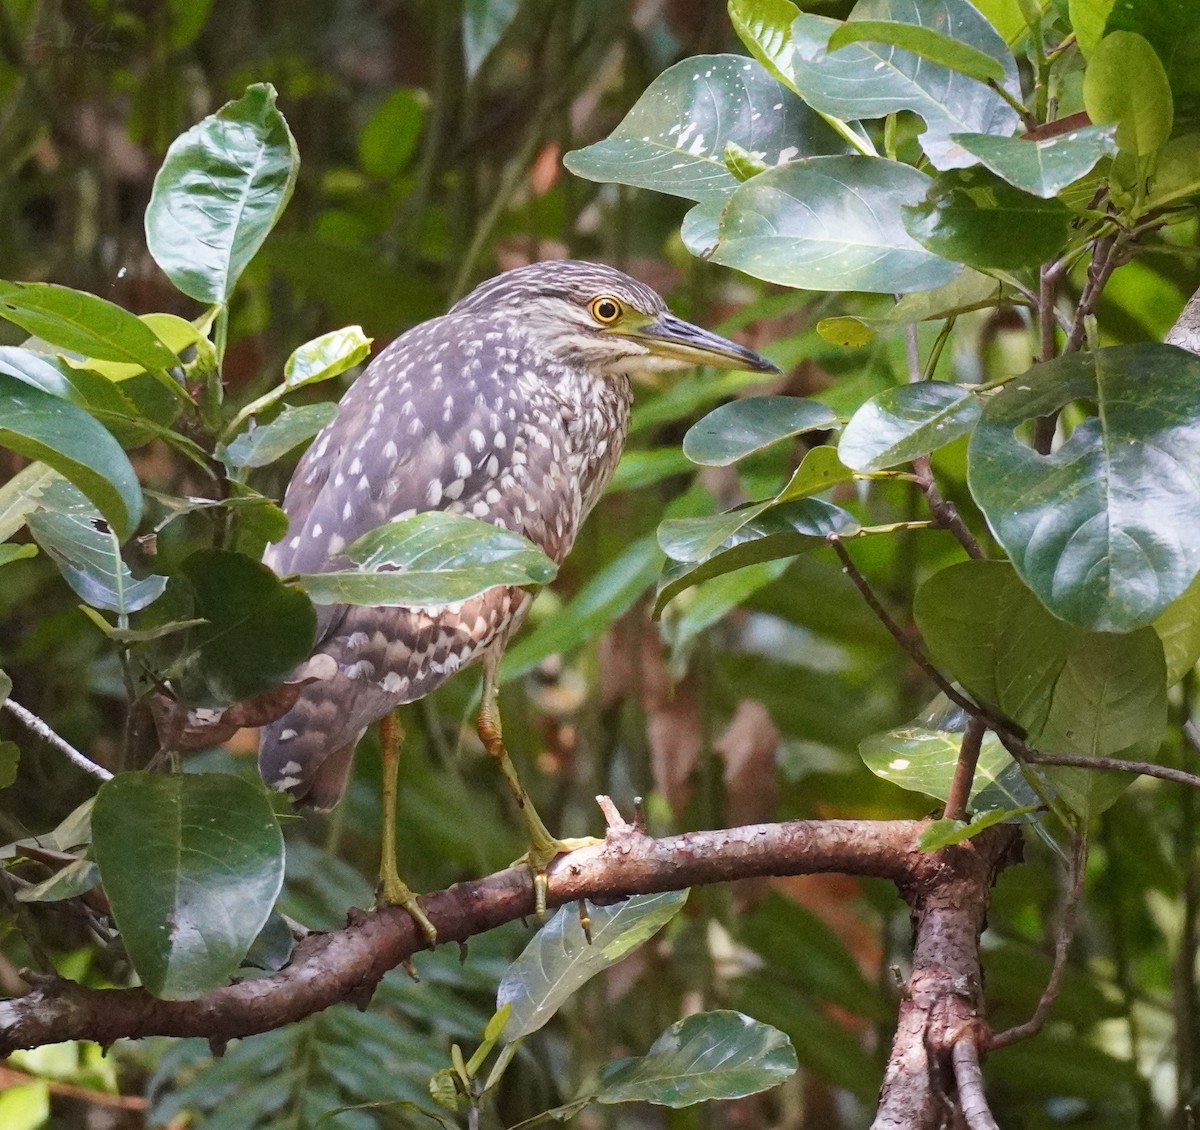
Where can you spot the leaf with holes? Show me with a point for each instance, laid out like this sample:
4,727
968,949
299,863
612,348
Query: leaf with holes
1103,529
870,80
830,223
430,558
742,427
674,138
87,552
64,437
193,887
711,1055
221,189
898,424
560,957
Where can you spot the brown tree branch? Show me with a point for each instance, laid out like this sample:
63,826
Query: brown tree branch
346,965
964,769
972,1098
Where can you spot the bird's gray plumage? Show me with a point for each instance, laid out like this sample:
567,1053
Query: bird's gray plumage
513,407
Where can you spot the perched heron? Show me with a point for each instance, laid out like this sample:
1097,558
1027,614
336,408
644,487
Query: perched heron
512,408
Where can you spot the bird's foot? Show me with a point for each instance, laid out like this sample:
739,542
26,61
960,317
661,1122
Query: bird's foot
542,852
393,891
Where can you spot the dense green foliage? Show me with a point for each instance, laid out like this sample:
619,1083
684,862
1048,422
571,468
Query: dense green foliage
918,203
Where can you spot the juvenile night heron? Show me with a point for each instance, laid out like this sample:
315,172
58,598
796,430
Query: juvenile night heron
513,408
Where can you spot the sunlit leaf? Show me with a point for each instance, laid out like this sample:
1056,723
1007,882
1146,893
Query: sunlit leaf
1043,168
71,881
1178,626
820,469
900,423
927,42
261,446
1125,83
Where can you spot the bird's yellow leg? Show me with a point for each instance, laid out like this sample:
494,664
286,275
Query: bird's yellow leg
392,889
543,847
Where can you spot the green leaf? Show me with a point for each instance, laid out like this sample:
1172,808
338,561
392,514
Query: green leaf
674,138
1071,690
326,357
925,41
708,547
742,427
73,880
1176,172
25,1106
431,558
711,1055
5,687
258,629
10,757
943,833
1097,529
869,81
639,469
820,469
87,552
968,290
261,446
484,25
765,27
974,217
1126,83
922,759
192,887
850,332
560,958
609,593
1178,626
41,426
1043,168
1088,19
76,320
388,139
221,189
900,423
9,553
830,223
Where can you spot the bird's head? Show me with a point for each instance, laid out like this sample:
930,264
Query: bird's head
598,318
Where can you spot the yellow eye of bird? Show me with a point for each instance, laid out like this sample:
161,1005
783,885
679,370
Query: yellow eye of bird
605,310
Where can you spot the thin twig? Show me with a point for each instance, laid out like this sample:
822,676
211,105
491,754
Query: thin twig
1191,735
1062,947
945,513
971,1096
898,634
35,725
1112,764
964,769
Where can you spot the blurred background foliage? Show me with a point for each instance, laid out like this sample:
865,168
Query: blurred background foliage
431,134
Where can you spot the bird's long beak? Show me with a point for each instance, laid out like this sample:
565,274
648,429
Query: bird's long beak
669,336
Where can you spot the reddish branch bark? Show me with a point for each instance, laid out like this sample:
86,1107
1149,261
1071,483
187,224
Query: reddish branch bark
948,891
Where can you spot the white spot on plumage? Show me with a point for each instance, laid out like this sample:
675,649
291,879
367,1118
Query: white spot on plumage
390,450
480,509
336,544
500,439
462,465
433,492
316,530
477,440
348,511
454,489
363,484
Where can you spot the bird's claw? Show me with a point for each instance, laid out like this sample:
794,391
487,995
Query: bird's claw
395,892
538,859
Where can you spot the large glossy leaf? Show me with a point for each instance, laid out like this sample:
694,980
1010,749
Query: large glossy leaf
610,593
222,187
708,547
733,431
869,80
258,628
41,426
88,553
974,217
1102,530
674,138
84,323
261,446
711,1055
830,223
430,558
560,958
1126,83
1043,168
192,864
820,469
1072,690
898,424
